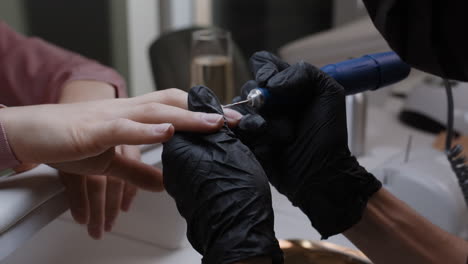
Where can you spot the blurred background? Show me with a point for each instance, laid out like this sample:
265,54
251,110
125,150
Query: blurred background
119,32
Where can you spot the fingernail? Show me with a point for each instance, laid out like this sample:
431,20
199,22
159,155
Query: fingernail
108,226
162,128
95,232
232,115
212,118
80,216
125,207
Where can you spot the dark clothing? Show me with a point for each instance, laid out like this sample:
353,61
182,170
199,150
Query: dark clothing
427,34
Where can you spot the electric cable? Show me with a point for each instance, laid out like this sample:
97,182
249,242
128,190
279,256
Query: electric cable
454,154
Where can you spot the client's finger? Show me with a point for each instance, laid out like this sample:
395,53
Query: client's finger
114,197
128,132
183,120
75,190
130,190
173,97
141,175
96,188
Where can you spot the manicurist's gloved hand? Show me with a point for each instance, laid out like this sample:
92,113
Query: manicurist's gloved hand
221,190
302,145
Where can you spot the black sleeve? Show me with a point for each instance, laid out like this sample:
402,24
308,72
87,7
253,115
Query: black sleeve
427,34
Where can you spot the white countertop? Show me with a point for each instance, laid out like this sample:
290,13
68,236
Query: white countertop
63,241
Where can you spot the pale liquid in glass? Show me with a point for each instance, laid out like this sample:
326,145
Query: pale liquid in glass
215,72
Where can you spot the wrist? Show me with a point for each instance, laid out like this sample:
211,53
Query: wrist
84,90
337,201
379,210
8,159
390,226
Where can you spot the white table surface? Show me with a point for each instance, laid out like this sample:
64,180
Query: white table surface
63,241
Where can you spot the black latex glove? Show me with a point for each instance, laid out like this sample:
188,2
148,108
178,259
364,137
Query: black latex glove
303,145
221,190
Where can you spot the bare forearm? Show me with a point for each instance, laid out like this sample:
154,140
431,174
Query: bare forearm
83,90
391,232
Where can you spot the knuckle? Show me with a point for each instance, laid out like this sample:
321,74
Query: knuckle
175,93
190,117
152,107
116,126
173,96
118,123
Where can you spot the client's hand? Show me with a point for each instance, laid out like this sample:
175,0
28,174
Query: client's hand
221,190
79,138
96,200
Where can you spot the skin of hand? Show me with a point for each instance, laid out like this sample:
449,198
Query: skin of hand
80,138
391,232
96,200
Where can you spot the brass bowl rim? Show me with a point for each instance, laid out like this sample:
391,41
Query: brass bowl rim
325,246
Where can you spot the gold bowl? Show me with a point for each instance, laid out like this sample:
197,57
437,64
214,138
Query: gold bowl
313,252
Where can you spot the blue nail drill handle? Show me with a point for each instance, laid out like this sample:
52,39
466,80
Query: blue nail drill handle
369,72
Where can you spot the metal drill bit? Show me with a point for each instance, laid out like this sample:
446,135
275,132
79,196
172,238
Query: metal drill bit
238,103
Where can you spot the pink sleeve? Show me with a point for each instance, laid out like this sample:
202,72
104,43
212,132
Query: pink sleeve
7,157
33,71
